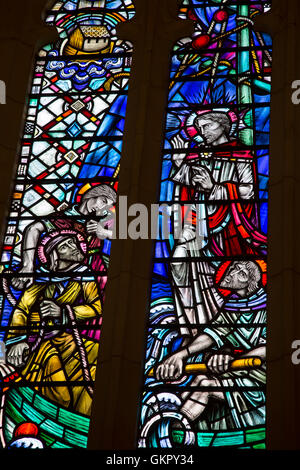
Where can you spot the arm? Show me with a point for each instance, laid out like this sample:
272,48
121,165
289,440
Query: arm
220,363
30,241
218,191
257,352
16,342
102,232
244,187
92,307
52,311
31,238
21,314
246,178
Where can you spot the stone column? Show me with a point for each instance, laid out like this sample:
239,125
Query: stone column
153,32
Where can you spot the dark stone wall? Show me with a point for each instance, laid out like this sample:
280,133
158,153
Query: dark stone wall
119,375
283,385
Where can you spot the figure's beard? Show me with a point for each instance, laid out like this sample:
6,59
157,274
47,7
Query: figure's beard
231,284
76,256
209,139
227,283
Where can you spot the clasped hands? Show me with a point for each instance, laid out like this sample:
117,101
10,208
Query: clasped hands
203,178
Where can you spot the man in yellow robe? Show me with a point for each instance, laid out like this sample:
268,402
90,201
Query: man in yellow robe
50,350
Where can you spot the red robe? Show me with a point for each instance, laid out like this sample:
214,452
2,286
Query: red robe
241,235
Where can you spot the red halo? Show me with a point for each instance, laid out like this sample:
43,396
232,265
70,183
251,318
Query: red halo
224,266
219,275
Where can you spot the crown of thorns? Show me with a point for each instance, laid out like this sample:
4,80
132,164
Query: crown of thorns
53,239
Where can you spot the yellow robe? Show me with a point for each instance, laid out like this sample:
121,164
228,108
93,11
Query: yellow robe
56,362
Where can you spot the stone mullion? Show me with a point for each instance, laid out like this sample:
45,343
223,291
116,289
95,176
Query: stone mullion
153,32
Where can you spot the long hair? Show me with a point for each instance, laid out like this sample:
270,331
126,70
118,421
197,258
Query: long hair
220,118
101,190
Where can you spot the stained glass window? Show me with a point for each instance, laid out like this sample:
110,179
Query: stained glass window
57,244
205,368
